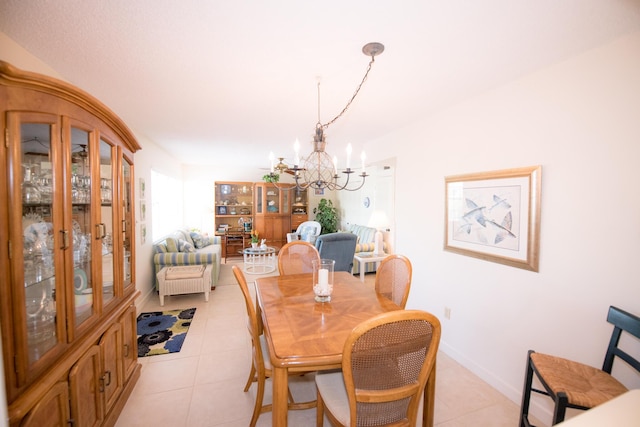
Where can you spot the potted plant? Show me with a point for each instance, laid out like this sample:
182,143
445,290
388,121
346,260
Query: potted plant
327,216
254,238
271,177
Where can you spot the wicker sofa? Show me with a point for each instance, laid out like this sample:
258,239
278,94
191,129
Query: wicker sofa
364,243
183,247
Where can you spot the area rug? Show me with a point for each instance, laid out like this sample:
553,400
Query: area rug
163,332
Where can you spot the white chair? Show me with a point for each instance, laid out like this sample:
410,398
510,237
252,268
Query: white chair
308,231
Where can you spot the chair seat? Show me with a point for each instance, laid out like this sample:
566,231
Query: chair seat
334,394
584,385
265,352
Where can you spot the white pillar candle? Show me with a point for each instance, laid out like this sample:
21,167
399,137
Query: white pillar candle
323,279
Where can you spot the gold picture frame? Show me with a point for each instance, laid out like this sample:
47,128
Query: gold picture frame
495,216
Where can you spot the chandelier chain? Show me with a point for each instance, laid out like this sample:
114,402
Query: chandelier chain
346,107
318,170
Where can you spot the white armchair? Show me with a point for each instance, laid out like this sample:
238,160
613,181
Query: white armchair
308,231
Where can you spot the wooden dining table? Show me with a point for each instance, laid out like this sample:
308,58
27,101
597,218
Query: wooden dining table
304,335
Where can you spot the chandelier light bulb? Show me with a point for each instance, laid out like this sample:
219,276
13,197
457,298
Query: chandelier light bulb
363,157
349,149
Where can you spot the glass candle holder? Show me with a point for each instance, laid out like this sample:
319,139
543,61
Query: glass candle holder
323,279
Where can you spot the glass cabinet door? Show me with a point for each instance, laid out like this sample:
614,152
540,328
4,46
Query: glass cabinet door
105,226
259,199
286,202
35,219
127,220
81,241
273,199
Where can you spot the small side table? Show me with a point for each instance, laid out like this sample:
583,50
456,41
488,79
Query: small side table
259,261
186,279
365,257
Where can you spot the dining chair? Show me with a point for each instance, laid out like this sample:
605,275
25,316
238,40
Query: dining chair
386,362
393,279
340,247
575,385
296,257
261,363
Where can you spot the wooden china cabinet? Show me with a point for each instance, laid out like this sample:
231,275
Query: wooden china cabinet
272,212
67,255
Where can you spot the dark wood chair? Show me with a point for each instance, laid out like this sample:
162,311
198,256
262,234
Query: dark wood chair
575,385
235,241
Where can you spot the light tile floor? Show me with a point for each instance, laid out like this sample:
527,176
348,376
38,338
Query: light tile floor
203,384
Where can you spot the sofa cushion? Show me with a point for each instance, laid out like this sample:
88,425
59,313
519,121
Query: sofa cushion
199,241
172,244
212,248
160,248
185,235
365,234
184,246
306,232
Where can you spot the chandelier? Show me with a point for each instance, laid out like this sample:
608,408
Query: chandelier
318,170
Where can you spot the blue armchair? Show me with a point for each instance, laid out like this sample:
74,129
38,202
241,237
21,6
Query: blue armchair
340,247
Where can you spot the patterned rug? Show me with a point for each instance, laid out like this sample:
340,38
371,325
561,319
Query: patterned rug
162,332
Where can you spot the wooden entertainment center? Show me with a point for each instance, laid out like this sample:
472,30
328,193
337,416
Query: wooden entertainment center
272,209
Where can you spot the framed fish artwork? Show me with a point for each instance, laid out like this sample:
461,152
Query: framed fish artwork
495,216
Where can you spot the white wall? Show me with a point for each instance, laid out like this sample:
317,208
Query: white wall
17,56
578,119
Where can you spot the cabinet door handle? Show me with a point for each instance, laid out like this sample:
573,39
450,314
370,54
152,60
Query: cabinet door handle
108,376
126,350
65,239
100,231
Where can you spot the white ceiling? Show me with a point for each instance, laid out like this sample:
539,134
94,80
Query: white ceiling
210,79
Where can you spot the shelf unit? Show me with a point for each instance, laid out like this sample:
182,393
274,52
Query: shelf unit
233,209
